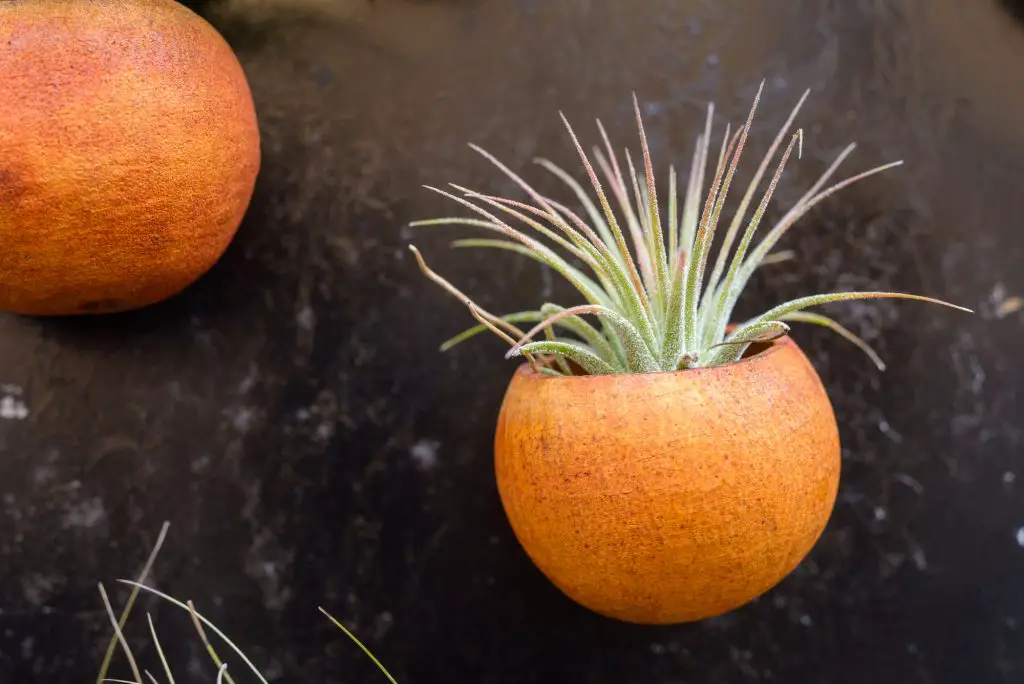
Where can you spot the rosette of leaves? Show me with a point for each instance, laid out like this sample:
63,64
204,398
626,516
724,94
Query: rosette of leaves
656,297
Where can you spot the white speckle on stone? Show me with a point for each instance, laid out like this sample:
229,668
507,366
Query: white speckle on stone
38,588
1009,477
880,513
805,620
249,381
306,318
88,513
324,431
43,475
1020,537
888,431
907,480
658,649
652,108
28,648
12,408
920,560
242,418
424,453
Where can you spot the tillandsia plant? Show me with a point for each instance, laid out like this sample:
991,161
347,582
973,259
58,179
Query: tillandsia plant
665,304
654,466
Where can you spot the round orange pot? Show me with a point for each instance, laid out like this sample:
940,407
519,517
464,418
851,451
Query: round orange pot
669,497
129,150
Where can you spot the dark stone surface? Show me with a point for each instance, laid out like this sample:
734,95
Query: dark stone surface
291,417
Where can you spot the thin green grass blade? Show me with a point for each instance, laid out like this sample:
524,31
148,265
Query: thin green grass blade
175,602
132,596
119,635
210,650
834,326
358,643
160,650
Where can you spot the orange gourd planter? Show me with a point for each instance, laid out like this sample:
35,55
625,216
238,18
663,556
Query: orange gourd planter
669,497
129,150
661,465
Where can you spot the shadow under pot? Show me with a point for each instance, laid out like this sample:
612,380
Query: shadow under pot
670,497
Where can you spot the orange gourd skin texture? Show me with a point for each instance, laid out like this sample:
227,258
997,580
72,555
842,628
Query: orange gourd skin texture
129,149
669,497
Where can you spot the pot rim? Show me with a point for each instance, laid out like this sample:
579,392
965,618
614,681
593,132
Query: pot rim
526,370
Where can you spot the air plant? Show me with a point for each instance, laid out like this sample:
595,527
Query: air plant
661,302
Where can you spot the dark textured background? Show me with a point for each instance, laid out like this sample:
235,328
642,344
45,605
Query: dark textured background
292,418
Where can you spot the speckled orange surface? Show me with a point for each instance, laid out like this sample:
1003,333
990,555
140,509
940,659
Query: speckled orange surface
669,497
129,149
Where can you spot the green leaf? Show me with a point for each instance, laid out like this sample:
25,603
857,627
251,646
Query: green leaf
817,300
592,289
592,211
358,643
589,334
826,322
546,254
520,317
638,356
733,348
741,211
720,299
588,360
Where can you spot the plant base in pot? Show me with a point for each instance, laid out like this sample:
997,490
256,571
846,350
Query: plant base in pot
669,497
661,465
